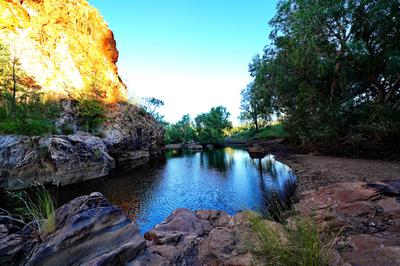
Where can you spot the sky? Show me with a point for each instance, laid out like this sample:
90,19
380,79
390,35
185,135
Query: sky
192,54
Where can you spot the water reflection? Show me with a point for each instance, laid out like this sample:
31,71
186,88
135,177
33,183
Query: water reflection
226,179
219,159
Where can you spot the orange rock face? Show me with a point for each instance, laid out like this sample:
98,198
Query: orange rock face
65,46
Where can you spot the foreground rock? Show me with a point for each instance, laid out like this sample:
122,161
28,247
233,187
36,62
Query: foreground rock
367,215
89,231
204,237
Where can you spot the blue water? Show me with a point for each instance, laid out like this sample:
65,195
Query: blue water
226,179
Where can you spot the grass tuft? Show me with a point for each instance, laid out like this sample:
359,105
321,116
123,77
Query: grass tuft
38,208
275,244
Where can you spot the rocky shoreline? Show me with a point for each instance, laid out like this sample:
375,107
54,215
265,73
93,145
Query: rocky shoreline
355,202
92,231
129,138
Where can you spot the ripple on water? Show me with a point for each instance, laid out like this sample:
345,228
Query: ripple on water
226,179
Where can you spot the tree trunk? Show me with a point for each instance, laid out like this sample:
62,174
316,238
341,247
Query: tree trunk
13,102
256,123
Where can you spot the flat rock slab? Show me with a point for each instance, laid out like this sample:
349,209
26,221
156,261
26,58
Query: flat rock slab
367,214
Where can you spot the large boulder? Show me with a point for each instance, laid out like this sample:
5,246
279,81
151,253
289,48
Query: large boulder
204,237
132,136
55,160
89,231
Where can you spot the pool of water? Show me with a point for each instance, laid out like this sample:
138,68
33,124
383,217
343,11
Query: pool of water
226,179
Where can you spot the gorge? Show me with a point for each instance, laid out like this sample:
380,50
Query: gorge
93,174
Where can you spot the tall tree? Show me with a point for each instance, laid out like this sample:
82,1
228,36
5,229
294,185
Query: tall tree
333,69
210,126
255,106
180,132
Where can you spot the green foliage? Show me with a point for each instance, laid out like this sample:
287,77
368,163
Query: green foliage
151,105
333,70
256,103
246,132
180,132
30,127
210,126
279,245
23,109
91,114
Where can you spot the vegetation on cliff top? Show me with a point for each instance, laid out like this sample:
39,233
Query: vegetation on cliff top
26,110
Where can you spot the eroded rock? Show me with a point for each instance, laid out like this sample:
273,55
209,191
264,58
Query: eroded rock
204,237
132,137
55,160
90,231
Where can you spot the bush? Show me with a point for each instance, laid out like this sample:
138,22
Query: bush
91,114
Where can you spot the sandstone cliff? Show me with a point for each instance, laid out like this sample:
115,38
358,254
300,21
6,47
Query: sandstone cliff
64,46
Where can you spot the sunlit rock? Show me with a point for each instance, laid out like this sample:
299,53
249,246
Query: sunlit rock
64,46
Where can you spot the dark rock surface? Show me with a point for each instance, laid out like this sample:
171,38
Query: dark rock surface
58,160
130,138
15,241
366,214
89,231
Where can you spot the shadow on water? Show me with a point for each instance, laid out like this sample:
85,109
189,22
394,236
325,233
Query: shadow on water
279,199
218,159
224,179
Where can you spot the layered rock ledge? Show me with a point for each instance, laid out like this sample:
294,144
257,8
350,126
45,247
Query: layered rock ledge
129,138
92,231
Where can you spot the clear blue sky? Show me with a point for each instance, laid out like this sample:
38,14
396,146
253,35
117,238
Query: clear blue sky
192,54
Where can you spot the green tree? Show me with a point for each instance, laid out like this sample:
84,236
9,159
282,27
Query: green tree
180,132
151,106
210,126
255,106
23,109
333,69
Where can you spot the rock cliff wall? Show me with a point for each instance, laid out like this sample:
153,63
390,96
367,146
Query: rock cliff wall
64,46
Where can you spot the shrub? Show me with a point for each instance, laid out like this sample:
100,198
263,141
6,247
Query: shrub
91,114
30,127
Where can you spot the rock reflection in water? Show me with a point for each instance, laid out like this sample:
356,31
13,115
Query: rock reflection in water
226,179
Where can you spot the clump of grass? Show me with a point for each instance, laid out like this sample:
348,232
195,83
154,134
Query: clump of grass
38,208
300,245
